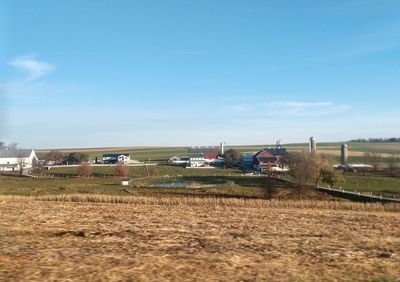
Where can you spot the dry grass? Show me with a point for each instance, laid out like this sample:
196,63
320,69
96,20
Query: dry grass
210,202
110,238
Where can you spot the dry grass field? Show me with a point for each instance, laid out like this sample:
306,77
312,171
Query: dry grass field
111,238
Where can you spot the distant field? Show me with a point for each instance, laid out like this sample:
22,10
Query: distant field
191,239
372,183
140,171
215,186
356,149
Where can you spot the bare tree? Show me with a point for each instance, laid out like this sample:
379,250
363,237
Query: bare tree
85,170
54,156
152,170
269,188
231,157
304,168
121,170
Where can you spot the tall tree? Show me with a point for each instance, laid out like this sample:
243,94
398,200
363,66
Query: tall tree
77,158
330,176
85,170
231,157
121,170
304,168
54,156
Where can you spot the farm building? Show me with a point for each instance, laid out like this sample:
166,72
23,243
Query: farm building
202,156
269,159
176,160
116,158
247,160
16,159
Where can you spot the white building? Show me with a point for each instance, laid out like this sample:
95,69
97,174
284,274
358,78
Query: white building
15,159
116,158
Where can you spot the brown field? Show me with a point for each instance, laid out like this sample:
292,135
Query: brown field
110,238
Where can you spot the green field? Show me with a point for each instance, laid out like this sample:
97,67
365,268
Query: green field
216,186
372,183
140,171
161,154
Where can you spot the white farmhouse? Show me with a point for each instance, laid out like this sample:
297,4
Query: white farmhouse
15,159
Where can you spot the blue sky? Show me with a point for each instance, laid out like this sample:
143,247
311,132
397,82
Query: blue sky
127,73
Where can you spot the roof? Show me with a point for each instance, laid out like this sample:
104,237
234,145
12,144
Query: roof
114,155
196,150
211,155
8,165
279,151
265,156
18,153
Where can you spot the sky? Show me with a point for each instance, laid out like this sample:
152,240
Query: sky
180,73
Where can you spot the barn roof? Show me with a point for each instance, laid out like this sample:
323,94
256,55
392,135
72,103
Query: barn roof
18,153
114,155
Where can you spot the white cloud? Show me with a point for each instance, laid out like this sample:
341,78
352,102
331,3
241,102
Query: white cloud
34,68
286,109
30,84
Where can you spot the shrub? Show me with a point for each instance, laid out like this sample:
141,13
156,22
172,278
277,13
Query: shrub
121,170
85,170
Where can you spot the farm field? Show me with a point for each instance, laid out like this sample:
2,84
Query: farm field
155,239
372,183
356,149
216,186
140,171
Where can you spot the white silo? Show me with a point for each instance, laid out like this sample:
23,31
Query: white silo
344,154
222,147
312,145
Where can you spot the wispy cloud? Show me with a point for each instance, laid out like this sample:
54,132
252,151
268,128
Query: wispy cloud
286,109
33,68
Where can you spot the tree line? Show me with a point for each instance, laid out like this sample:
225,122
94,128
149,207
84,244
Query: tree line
377,140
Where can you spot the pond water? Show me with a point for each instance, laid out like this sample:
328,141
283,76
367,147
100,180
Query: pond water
173,185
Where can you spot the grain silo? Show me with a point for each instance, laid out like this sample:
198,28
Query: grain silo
344,154
312,145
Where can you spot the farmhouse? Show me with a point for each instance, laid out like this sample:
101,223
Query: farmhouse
17,159
181,161
269,159
202,156
116,158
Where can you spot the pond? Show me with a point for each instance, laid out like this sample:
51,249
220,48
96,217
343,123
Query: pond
174,185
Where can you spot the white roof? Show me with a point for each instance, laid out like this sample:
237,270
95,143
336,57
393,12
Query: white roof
18,153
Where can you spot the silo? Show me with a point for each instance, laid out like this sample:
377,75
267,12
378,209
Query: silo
343,154
312,145
222,148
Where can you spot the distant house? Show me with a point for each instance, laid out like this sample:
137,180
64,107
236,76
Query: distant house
181,161
202,156
116,158
269,159
264,161
17,159
174,159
